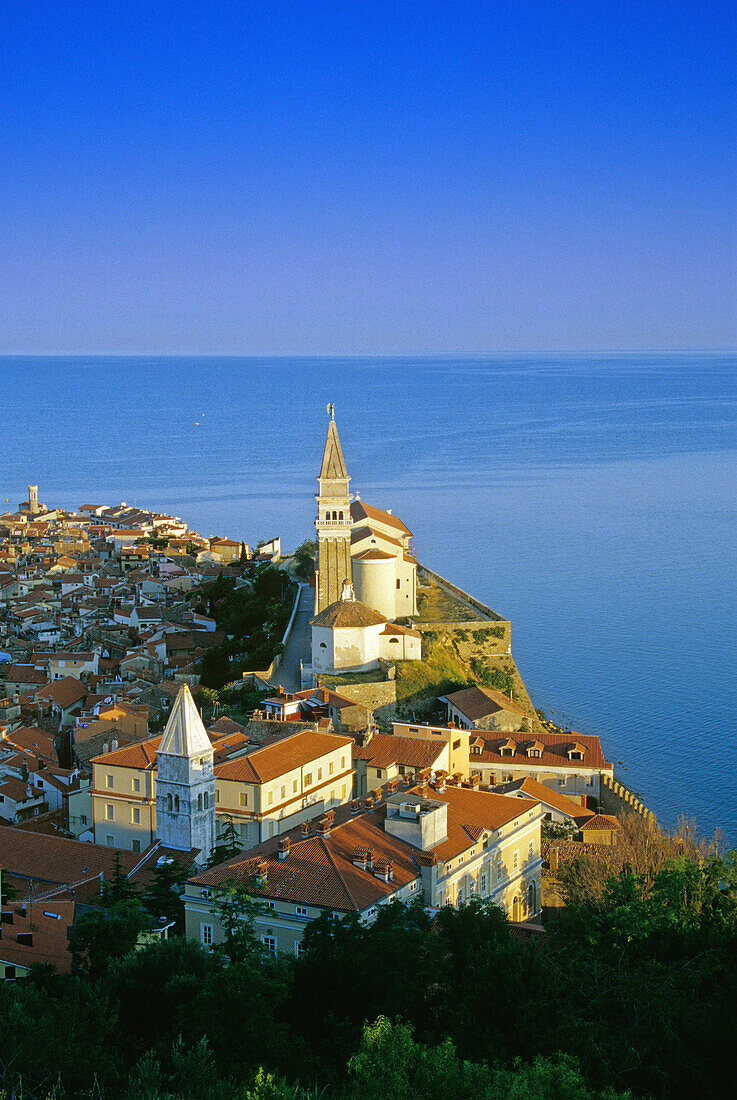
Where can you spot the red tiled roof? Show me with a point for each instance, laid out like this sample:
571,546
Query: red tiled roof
385,749
554,753
479,702
285,755
360,511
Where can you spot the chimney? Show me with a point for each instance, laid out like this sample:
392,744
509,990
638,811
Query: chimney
284,846
306,828
355,805
451,725
553,859
384,869
324,825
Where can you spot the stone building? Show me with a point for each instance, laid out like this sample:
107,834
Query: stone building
185,784
333,524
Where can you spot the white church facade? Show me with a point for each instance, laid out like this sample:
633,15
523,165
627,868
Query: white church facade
365,579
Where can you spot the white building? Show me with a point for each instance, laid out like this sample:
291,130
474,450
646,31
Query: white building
185,785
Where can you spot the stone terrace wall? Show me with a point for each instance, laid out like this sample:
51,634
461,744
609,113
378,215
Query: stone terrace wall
484,612
618,799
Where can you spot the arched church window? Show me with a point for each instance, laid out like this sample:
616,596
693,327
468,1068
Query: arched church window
323,645
206,800
176,803
199,801
394,641
335,515
340,516
169,803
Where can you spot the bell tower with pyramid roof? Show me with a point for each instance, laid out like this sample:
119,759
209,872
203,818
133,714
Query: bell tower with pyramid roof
185,782
333,522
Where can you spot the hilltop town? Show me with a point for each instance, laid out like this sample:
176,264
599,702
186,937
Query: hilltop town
385,748
274,817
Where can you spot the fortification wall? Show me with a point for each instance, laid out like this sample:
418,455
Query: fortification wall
483,610
616,798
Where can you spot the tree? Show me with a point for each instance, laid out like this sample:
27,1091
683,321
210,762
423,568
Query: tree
102,935
163,896
119,887
228,845
236,911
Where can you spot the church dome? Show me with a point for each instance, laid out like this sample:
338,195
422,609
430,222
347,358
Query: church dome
348,613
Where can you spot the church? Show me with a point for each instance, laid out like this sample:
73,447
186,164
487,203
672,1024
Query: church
365,579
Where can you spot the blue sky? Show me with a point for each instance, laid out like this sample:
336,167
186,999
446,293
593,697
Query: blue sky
268,178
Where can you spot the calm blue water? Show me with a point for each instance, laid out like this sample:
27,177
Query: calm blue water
590,499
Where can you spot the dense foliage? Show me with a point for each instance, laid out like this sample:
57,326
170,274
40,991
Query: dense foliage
633,992
254,616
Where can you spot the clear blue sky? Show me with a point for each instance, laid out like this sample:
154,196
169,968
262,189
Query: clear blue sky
268,177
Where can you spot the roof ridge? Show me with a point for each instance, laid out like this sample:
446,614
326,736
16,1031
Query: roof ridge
335,867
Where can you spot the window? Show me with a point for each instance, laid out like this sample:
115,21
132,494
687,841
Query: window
206,800
459,896
319,774
136,845
342,791
342,761
110,841
530,849
270,797
561,781
136,784
199,801
457,744
299,948
169,803
217,794
83,819
460,860
330,768
270,905
205,893
269,943
378,773
308,779
109,812
206,934
483,883
590,781
301,910
515,861
243,798
295,784
108,780
136,816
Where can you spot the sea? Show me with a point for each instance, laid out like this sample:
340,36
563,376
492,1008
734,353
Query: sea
588,498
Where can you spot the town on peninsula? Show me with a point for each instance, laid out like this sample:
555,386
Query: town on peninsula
302,781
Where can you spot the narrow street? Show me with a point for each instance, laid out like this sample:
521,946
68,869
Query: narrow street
298,644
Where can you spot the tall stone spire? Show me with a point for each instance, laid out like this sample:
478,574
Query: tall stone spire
185,781
333,522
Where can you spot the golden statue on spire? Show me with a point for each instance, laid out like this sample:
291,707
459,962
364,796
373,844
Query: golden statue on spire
331,410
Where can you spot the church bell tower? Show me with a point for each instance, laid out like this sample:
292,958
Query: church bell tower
333,522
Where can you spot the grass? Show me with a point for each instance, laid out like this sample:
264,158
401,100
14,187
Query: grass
435,605
439,671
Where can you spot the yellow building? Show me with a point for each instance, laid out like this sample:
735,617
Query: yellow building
260,791
447,843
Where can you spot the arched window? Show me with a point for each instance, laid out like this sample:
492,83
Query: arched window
199,801
340,516
176,803
531,897
323,645
335,515
169,803
207,800
394,641
327,516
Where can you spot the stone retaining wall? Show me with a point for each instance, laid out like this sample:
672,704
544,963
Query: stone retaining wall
485,612
616,798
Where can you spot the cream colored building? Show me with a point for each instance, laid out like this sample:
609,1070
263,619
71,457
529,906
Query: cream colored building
350,636
261,792
449,844
456,739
